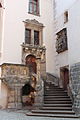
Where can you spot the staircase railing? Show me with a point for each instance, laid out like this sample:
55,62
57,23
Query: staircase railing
53,79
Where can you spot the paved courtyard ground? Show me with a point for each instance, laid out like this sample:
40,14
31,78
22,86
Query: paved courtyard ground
8,115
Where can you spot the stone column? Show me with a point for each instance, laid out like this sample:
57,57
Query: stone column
41,37
18,102
39,87
14,98
11,99
32,37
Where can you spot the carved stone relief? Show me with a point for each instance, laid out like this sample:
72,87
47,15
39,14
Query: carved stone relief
61,42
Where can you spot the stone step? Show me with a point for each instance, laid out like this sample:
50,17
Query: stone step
56,96
56,108
53,112
55,99
56,91
58,105
52,87
52,115
57,102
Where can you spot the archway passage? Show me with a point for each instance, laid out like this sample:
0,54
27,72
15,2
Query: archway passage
31,63
27,95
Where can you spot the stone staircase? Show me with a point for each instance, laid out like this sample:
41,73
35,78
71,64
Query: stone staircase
57,103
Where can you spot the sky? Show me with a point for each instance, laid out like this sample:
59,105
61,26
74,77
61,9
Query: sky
62,5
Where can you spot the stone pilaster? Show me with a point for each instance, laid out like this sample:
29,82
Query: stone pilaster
39,86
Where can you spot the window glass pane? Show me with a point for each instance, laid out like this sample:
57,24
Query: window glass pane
36,37
27,36
30,7
35,8
35,1
30,0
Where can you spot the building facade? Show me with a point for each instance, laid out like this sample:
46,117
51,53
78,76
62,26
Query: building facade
24,45
34,40
66,43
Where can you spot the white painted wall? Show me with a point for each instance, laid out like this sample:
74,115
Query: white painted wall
1,26
62,5
63,59
15,13
74,33
60,59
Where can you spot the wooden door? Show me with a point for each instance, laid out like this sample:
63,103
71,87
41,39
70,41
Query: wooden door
65,77
31,63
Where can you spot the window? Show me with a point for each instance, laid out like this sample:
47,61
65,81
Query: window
36,37
34,7
27,36
33,32
66,17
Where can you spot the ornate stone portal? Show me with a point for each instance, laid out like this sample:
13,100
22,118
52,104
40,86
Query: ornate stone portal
35,58
39,54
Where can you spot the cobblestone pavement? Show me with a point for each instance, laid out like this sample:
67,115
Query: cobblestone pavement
7,115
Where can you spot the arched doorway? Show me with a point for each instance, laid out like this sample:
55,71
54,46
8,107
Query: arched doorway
28,90
31,63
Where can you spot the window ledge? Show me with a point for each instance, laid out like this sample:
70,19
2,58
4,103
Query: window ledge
33,46
34,14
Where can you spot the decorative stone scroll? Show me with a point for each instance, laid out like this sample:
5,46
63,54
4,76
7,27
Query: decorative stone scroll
61,42
39,53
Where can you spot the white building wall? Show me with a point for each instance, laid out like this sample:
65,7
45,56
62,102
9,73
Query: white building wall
62,5
60,59
74,33
1,26
15,13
